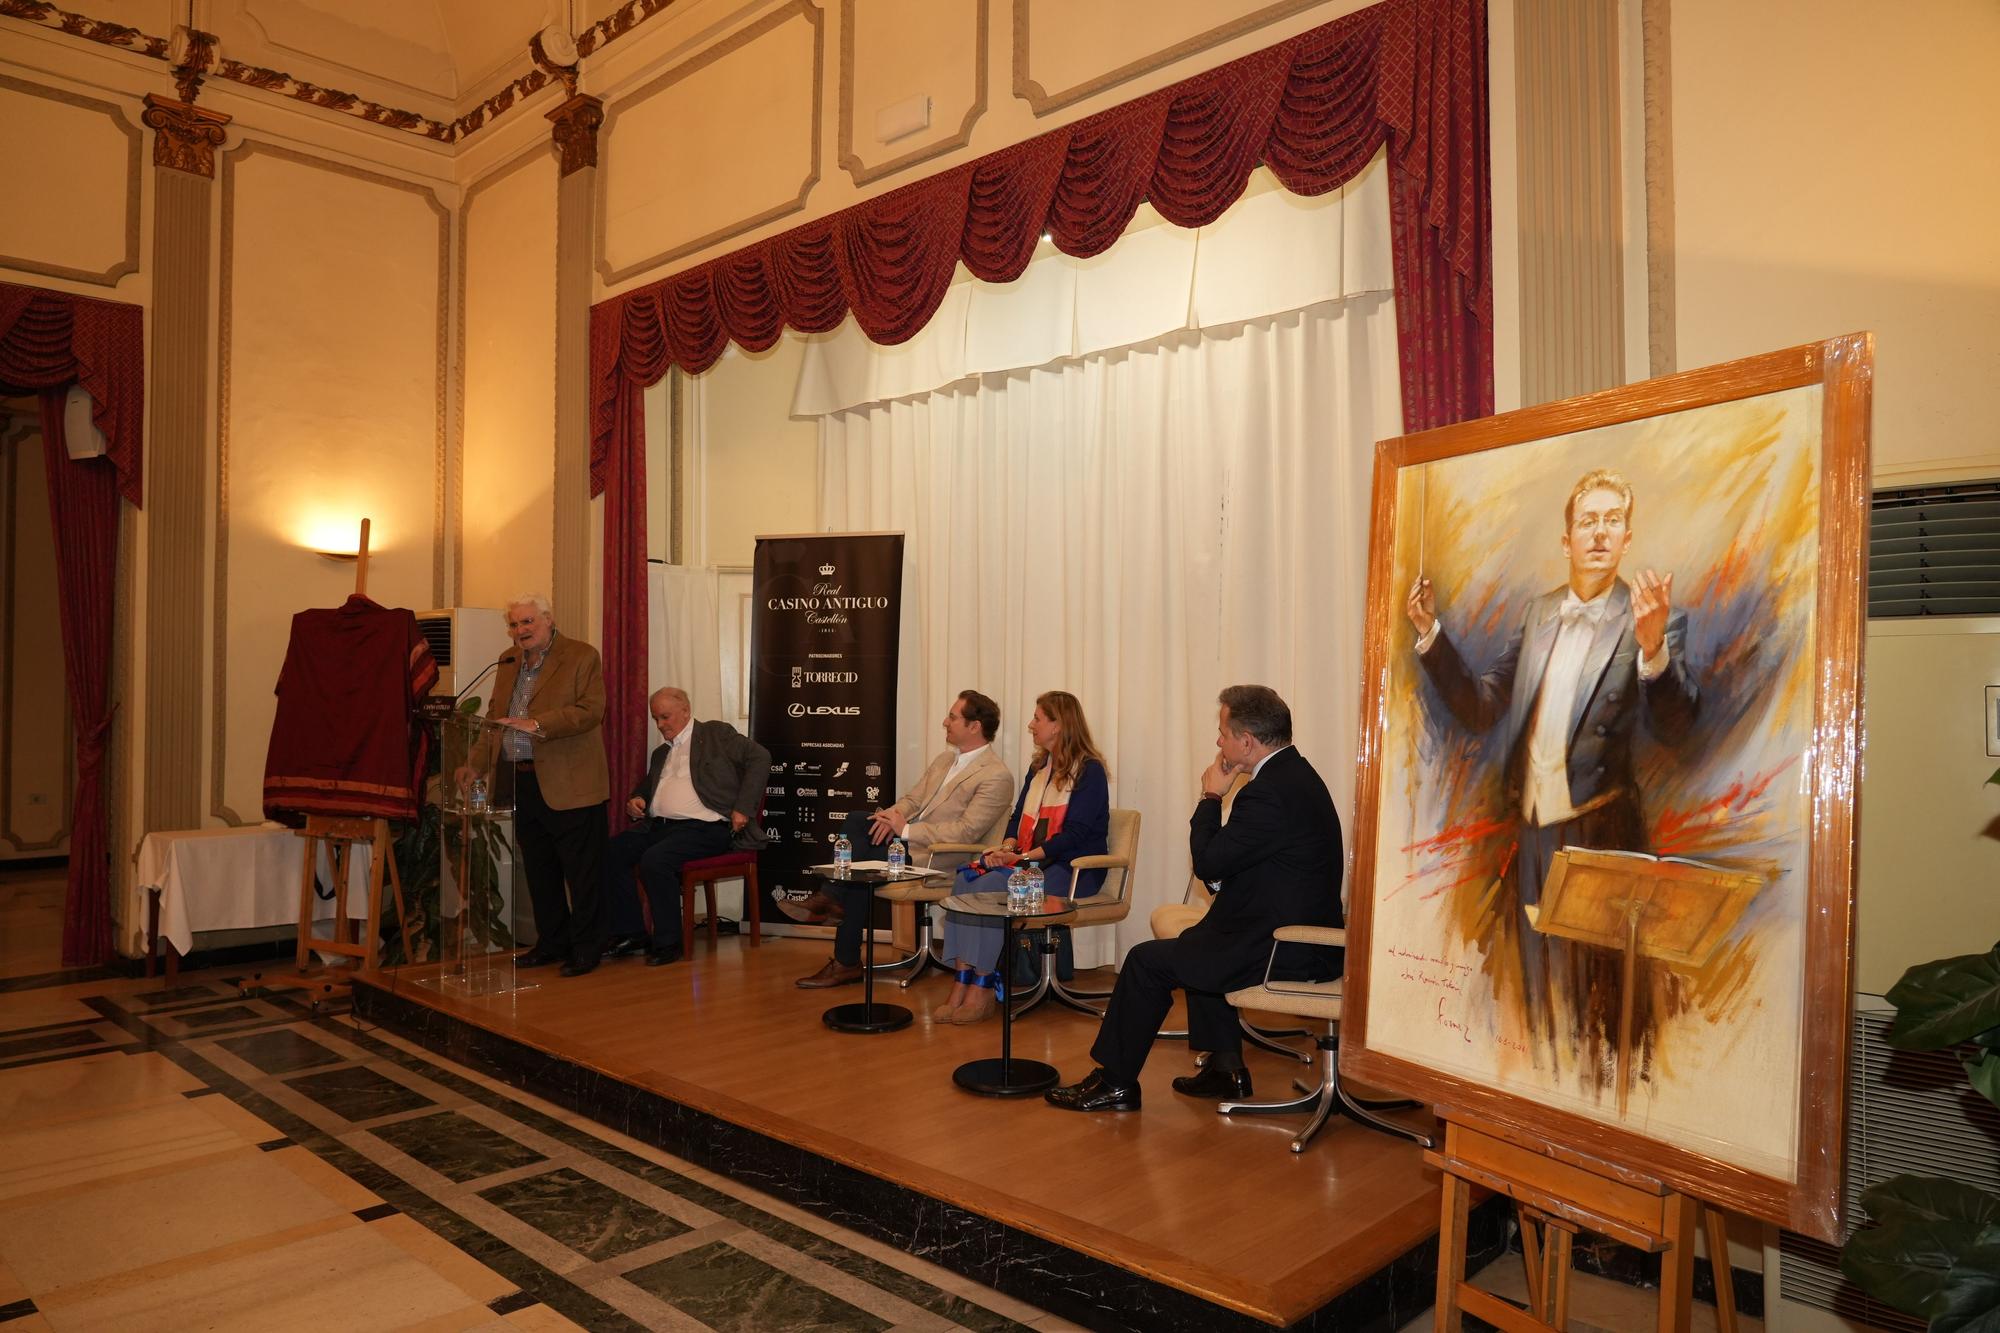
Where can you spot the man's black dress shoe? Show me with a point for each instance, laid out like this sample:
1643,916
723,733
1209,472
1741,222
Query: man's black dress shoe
661,957
536,957
577,967
625,946
1217,1085
1095,1093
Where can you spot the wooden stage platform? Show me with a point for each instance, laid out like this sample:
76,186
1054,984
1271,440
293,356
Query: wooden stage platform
1174,1217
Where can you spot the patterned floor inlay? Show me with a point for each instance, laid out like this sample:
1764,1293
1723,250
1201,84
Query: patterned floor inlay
363,1153
456,1148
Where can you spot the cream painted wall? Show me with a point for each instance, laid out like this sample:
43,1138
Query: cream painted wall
332,308
510,388
757,468
34,712
1834,170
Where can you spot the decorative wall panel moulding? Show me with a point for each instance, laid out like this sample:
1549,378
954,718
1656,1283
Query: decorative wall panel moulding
126,263
1043,101
232,160
185,136
850,161
797,9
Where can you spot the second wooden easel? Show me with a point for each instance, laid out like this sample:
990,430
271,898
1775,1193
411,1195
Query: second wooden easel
338,836
1558,1192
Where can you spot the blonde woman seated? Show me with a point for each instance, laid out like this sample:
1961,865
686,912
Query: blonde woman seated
1064,812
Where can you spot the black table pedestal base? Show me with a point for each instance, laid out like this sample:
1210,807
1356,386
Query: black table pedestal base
868,1018
1005,1078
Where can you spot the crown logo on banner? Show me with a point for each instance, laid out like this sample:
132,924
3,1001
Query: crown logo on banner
827,569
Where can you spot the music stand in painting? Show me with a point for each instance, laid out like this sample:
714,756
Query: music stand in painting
1672,912
1604,833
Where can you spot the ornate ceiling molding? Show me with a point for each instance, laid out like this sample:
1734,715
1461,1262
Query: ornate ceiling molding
600,34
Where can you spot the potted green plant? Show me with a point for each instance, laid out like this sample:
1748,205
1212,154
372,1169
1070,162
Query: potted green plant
1933,1247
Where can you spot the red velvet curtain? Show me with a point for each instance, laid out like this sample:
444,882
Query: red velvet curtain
1410,74
49,341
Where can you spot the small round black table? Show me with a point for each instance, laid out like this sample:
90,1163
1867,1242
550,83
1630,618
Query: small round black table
1007,1077
868,1016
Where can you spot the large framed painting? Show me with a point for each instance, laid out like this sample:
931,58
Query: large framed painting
1604,855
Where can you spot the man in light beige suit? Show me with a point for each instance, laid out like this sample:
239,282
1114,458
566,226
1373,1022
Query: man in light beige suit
962,792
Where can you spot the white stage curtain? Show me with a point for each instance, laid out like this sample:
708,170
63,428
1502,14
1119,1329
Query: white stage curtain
1271,252
684,647
1141,527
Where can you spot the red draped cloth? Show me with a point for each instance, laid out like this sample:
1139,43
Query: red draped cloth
1406,74
48,342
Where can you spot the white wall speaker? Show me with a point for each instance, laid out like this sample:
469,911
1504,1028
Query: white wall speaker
80,432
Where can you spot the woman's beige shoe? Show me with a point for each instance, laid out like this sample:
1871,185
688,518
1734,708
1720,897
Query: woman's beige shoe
978,1007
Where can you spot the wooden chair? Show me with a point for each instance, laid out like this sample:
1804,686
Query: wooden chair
1319,1000
703,874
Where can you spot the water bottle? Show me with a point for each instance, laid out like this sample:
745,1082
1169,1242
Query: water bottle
478,795
899,856
843,855
1034,886
1017,891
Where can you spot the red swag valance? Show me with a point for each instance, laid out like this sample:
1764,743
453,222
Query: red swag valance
50,340
1410,74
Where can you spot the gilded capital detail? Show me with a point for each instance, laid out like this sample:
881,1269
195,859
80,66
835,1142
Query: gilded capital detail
185,136
576,122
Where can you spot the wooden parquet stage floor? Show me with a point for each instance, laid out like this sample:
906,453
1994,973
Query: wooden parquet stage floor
1213,1206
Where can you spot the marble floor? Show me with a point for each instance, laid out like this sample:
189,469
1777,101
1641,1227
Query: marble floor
189,1158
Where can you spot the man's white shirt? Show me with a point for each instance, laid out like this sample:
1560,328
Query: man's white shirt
674,797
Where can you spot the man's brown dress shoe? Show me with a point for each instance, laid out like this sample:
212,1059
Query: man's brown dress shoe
833,974
818,908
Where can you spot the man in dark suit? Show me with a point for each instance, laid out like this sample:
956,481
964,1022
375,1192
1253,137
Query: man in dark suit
1275,863
1589,664
699,798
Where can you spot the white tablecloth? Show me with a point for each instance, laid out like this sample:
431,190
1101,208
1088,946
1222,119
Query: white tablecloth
232,878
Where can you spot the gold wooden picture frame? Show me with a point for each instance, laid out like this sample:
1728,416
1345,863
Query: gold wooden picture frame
1634,705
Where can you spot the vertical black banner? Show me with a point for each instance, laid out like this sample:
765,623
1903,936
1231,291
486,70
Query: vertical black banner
824,627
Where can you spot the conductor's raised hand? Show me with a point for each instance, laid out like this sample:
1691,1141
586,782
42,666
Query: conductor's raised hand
1652,602
1421,606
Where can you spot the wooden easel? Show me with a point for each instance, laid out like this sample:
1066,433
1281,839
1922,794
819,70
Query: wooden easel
1558,1192
339,836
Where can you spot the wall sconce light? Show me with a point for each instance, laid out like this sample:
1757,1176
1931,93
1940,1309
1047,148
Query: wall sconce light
325,539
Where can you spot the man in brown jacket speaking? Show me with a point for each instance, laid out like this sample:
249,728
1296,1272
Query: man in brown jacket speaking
549,697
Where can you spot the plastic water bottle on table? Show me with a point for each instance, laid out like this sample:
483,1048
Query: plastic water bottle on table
1035,886
899,856
1017,891
843,855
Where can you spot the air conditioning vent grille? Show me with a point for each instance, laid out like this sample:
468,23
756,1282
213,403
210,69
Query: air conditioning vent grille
437,633
1907,1112
1935,551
